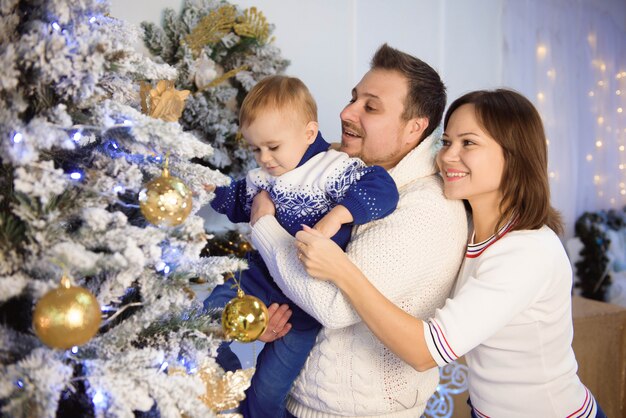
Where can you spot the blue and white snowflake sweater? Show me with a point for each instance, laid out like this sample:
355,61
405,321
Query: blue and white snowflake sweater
323,179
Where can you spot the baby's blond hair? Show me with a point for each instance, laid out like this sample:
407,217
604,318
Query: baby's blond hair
278,92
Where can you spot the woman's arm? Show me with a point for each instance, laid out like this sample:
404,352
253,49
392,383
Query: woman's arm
400,332
411,257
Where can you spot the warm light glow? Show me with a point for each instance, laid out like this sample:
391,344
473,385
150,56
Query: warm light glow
551,73
540,96
618,92
541,51
596,179
591,39
591,93
547,141
602,66
621,166
589,157
621,148
620,110
600,83
600,120
622,192
622,185
600,193
552,174
598,143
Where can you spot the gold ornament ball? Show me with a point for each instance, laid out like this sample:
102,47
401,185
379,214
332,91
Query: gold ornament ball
244,318
67,316
165,201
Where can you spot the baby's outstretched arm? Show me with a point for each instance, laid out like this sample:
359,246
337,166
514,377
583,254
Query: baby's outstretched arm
331,222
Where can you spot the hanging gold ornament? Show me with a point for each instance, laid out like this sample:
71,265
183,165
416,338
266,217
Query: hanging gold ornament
166,200
224,391
67,316
244,318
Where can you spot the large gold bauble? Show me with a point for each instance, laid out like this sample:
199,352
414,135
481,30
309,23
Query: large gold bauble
244,318
67,316
165,201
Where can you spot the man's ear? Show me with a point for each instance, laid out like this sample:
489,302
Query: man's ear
415,130
311,130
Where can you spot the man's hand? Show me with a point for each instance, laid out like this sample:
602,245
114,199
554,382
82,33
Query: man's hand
209,187
277,325
261,205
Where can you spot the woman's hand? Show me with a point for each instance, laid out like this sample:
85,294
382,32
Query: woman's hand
261,205
277,325
321,257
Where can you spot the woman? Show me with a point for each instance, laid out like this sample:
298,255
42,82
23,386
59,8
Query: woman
510,313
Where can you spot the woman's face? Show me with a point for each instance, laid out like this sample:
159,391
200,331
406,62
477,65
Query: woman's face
471,161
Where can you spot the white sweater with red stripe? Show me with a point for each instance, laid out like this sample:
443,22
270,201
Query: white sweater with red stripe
510,315
412,256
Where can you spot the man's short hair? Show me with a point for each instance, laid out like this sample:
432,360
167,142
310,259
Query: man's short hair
278,92
427,93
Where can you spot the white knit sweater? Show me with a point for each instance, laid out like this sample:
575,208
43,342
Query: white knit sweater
412,256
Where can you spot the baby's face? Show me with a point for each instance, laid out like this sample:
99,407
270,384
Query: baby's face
279,140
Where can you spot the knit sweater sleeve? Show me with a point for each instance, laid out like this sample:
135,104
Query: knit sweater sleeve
504,281
373,195
408,255
235,200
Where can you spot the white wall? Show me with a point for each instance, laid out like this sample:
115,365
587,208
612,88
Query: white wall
330,42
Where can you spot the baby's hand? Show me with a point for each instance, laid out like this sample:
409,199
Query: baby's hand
331,222
328,226
209,187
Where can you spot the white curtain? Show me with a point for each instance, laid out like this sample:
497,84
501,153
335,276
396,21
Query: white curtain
569,58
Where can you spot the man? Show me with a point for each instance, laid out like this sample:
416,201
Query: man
412,256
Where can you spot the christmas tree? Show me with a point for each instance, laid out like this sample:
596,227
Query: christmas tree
82,172
220,53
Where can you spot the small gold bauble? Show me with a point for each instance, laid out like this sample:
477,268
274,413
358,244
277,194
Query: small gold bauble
165,201
244,318
67,316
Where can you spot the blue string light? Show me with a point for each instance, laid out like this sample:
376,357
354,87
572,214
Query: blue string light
56,26
76,175
99,400
17,138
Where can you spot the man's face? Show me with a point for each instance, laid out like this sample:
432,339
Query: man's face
372,127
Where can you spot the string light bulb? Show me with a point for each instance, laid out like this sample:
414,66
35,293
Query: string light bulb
542,51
